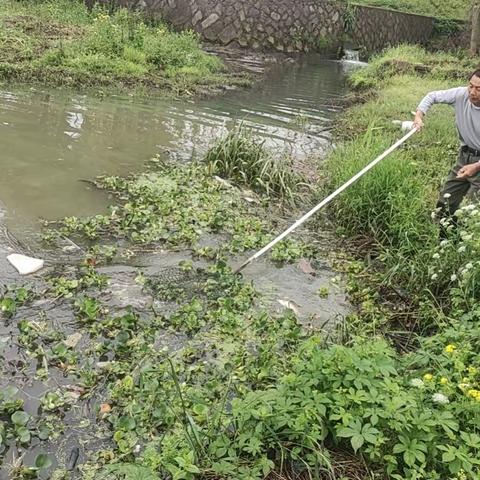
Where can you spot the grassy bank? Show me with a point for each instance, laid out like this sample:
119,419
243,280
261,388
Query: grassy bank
393,206
456,9
60,43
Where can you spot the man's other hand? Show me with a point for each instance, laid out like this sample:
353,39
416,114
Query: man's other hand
469,170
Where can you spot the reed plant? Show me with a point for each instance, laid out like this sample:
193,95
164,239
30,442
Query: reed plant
242,158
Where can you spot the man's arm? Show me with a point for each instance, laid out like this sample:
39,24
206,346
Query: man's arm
440,96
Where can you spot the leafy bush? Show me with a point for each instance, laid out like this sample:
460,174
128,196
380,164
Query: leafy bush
412,427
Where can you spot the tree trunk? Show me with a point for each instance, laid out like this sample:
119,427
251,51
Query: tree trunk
475,38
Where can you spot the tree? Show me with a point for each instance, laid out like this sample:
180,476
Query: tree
475,38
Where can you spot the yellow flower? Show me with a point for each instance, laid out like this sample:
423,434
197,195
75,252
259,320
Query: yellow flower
444,380
473,393
450,348
427,377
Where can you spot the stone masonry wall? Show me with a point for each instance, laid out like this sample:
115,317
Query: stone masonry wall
375,28
288,25
284,25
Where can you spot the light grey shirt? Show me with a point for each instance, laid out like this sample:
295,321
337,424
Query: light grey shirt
467,115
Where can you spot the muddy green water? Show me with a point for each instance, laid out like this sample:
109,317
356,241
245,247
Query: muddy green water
50,140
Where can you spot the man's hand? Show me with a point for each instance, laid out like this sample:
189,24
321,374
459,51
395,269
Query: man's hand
418,120
469,170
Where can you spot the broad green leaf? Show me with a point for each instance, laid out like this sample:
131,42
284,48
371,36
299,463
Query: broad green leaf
20,418
43,461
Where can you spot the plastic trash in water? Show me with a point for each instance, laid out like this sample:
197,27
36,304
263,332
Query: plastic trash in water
25,265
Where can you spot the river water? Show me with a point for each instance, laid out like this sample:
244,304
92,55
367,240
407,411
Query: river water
52,139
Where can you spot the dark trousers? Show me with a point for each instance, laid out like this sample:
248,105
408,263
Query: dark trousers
456,189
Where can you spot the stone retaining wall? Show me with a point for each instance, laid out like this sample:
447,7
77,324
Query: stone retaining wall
376,28
288,25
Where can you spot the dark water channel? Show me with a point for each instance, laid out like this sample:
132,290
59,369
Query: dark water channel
51,140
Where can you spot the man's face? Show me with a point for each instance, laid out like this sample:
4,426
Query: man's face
474,90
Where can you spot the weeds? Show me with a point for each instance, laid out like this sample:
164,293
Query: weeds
241,158
61,43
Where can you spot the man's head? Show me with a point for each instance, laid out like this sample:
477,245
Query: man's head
474,88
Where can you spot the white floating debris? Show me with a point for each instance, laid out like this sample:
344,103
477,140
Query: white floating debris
24,264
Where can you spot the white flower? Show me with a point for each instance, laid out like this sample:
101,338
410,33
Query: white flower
440,398
444,243
453,277
468,266
467,236
436,255
447,195
461,248
417,382
434,276
433,215
471,206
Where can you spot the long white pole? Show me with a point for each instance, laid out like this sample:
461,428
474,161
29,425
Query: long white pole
326,200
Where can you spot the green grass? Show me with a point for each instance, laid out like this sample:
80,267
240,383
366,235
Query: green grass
242,158
61,43
393,204
457,9
414,60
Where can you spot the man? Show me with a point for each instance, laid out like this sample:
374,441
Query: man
464,178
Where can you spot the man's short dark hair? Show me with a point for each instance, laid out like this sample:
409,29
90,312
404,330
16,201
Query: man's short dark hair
476,73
